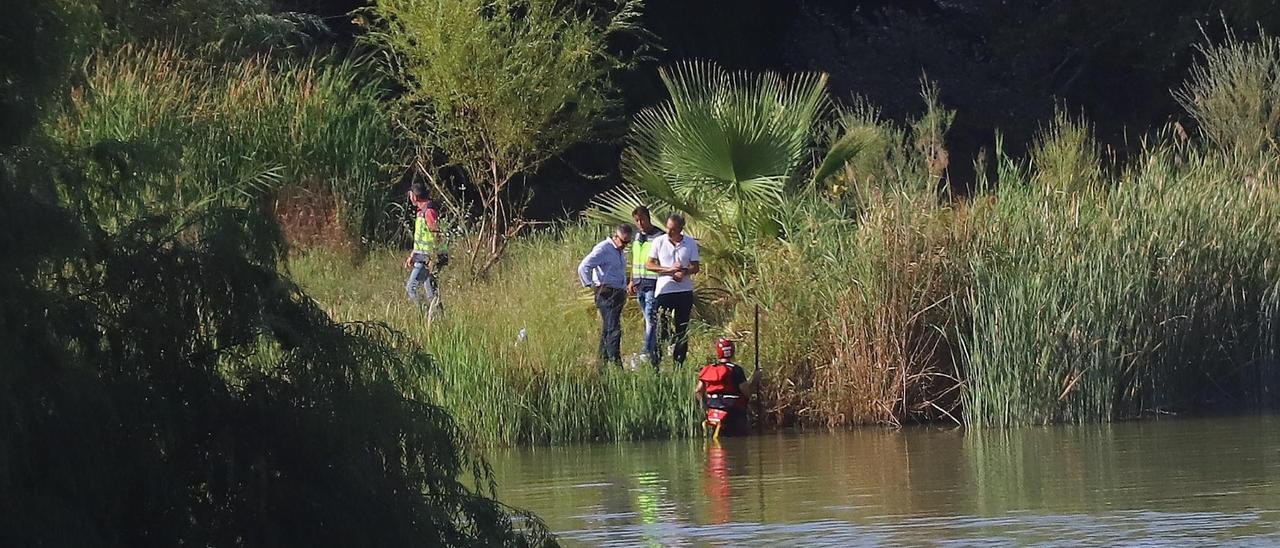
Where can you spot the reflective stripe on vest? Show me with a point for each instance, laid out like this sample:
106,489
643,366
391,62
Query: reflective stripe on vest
423,239
639,260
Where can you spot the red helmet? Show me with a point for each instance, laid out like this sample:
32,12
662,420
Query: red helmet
724,349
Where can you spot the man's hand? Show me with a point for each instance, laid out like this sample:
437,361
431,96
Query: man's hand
678,275
408,261
631,288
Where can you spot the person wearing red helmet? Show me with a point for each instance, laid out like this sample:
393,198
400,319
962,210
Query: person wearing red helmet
724,389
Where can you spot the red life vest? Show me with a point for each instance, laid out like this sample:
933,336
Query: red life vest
718,380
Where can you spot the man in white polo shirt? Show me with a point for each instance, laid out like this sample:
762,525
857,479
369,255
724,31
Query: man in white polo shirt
674,257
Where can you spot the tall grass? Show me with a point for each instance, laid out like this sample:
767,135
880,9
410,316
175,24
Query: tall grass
1155,294
543,388
1068,289
171,130
851,302
1234,95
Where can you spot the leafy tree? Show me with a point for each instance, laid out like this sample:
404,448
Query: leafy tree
30,70
163,385
501,86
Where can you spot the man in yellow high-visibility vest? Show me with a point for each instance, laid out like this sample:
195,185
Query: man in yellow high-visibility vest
427,244
644,282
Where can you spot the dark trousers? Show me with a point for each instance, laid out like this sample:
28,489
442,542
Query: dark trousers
610,301
681,306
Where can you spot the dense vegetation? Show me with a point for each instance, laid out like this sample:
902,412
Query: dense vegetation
163,383
1068,287
168,383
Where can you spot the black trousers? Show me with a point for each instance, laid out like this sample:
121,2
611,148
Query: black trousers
679,305
610,301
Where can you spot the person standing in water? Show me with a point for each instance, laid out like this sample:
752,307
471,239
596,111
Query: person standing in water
643,281
724,386
674,258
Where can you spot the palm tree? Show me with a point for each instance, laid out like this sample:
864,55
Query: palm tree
727,150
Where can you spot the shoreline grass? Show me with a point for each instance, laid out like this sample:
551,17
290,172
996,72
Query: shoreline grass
1069,289
1027,305
546,388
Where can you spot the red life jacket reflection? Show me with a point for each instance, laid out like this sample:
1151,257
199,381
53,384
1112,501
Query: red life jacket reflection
719,489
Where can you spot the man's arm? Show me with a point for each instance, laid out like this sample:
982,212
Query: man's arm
589,263
654,266
433,223
695,258
629,259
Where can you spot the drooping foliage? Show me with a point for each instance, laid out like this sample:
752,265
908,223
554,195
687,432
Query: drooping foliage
164,384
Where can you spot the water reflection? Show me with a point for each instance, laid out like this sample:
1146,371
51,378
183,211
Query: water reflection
717,483
1190,481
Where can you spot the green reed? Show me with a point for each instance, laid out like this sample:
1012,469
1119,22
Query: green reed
1073,287
1151,294
175,131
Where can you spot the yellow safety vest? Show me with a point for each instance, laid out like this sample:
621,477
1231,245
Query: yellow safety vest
424,241
640,258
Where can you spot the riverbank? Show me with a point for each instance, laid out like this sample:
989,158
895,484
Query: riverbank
544,387
1074,284
1149,291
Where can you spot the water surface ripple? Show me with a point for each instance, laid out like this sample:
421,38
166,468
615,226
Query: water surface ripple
1168,482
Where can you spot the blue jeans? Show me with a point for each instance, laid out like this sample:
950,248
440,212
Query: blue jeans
610,300
649,308
422,275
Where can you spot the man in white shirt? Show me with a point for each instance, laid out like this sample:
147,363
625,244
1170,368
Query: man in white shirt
674,257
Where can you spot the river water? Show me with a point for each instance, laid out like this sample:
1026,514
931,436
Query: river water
1172,482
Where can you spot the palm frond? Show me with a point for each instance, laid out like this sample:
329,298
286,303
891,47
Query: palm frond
846,148
615,205
727,146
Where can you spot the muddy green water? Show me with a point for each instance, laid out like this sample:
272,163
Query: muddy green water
1172,482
